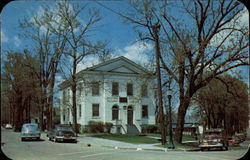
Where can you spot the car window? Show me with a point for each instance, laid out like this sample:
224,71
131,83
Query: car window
32,127
67,128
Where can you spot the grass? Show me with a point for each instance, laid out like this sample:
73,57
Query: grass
184,138
134,139
186,146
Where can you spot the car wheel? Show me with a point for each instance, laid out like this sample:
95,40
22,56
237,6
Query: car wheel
38,138
55,140
22,139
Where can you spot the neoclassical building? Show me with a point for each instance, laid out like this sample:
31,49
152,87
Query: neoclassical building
117,91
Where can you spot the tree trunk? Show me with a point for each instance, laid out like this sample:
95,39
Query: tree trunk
181,119
18,112
74,85
156,29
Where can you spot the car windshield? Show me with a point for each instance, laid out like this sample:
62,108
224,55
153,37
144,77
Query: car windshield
65,128
212,135
31,127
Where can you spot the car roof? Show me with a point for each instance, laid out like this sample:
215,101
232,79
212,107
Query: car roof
27,124
215,130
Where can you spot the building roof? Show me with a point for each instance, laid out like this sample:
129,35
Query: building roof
119,65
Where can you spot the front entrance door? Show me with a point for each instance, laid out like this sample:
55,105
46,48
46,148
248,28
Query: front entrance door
130,115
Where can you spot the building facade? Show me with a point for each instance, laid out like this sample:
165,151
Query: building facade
117,91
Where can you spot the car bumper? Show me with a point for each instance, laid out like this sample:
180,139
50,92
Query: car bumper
210,145
63,138
30,136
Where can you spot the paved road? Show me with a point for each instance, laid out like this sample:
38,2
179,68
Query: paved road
15,149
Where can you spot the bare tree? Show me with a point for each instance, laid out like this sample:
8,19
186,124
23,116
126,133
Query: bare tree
77,43
212,40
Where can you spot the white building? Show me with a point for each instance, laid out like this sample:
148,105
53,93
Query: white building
118,91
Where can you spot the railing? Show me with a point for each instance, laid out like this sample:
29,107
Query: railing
123,126
138,124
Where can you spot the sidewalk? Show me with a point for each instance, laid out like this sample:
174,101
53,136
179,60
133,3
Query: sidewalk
93,141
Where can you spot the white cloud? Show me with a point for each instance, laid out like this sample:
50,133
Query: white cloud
137,52
244,18
4,38
57,20
87,62
241,21
17,41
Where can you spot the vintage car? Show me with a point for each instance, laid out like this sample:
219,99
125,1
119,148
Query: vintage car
214,138
241,136
233,141
30,131
62,133
8,126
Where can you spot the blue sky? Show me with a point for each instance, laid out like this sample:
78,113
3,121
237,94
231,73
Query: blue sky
122,37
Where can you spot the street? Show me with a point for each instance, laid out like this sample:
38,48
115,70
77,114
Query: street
15,149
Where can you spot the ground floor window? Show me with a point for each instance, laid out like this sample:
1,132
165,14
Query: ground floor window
95,110
80,110
115,113
144,111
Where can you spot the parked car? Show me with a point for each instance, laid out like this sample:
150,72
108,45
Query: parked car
30,131
214,138
234,141
8,126
62,133
241,136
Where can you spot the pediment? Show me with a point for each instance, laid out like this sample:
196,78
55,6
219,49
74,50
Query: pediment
122,69
119,65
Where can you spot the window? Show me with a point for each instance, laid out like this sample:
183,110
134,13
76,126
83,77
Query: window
115,88
68,114
64,97
95,110
144,111
95,89
63,115
123,100
144,91
80,110
115,113
129,89
80,89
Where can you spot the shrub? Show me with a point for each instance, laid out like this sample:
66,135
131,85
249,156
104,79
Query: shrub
108,126
150,128
96,126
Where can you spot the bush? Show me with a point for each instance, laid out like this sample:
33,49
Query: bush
108,126
150,128
96,126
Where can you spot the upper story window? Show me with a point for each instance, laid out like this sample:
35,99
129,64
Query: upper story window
95,110
130,89
115,88
64,97
95,88
144,111
80,88
144,90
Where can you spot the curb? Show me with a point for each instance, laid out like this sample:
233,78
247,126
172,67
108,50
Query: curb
143,149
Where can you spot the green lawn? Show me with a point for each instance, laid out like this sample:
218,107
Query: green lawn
134,139
184,138
186,146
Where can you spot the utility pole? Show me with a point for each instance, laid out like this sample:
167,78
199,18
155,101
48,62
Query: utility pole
156,29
